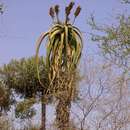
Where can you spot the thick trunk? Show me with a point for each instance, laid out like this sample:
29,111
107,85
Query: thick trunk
65,95
43,114
63,114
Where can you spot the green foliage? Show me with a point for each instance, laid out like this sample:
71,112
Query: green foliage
20,75
6,99
20,78
115,40
24,109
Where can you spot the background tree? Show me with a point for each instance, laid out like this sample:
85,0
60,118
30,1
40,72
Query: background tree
20,77
6,98
104,99
114,40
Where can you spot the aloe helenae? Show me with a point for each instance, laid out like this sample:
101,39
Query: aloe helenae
64,47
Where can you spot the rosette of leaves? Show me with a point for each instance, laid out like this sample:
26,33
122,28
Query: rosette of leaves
64,43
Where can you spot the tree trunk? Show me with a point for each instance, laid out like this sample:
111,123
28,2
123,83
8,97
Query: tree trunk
43,114
63,114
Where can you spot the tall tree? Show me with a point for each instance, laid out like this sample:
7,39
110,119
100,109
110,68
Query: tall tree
20,77
64,47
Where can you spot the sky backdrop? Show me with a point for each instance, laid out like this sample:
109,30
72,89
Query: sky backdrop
24,20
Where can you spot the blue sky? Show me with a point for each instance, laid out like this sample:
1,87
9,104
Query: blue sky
24,20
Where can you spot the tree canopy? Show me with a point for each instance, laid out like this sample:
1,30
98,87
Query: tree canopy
20,78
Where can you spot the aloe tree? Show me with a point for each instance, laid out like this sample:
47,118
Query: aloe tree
63,51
